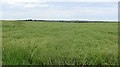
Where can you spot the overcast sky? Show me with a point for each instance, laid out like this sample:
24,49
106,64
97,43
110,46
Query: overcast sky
60,9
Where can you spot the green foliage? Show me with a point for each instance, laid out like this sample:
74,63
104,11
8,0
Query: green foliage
28,42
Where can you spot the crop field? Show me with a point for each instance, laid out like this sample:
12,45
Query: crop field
55,43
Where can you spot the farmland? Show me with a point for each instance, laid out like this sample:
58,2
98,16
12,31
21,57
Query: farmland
52,43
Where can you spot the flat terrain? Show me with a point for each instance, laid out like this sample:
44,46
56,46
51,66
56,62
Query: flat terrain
54,43
0,42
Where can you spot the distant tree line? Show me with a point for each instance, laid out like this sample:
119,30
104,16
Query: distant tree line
72,21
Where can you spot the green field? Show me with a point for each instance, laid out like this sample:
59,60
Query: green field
0,42
54,43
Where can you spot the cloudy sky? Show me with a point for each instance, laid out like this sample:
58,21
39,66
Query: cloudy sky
59,9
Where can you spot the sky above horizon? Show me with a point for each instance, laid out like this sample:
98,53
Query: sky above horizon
106,10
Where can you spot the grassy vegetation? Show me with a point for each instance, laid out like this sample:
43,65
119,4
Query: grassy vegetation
0,42
28,42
